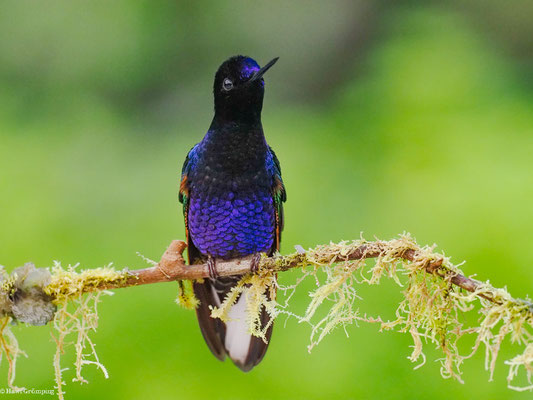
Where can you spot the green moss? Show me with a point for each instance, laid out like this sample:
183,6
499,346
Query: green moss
75,320
75,295
186,297
260,292
432,310
10,350
69,283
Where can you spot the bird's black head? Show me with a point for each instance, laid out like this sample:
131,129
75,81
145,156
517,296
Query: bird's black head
239,88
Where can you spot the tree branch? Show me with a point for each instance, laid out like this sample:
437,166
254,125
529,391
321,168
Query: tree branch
172,266
429,309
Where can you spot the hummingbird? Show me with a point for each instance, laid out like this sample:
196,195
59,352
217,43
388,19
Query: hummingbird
232,195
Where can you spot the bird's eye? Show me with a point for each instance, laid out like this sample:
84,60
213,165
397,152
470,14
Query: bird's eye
227,85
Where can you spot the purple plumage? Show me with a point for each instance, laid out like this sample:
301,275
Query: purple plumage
227,226
232,196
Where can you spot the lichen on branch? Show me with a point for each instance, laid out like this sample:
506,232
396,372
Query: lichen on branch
434,307
77,316
437,297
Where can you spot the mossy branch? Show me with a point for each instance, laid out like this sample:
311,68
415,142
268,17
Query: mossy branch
172,267
436,297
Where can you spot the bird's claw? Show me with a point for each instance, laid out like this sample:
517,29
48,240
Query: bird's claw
254,263
212,268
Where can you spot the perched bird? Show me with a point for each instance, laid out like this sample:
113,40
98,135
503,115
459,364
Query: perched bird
232,195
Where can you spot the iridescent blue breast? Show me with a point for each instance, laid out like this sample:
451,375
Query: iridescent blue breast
229,224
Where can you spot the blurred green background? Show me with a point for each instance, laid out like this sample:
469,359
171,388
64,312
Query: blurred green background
387,117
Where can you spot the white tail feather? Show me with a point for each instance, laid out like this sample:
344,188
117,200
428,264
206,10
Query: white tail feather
237,332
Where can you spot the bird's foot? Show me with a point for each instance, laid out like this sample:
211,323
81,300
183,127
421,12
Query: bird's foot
254,263
212,268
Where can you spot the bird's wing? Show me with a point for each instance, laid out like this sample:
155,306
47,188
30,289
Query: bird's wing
183,196
279,195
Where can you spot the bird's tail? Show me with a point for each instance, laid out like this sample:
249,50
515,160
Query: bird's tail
231,338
